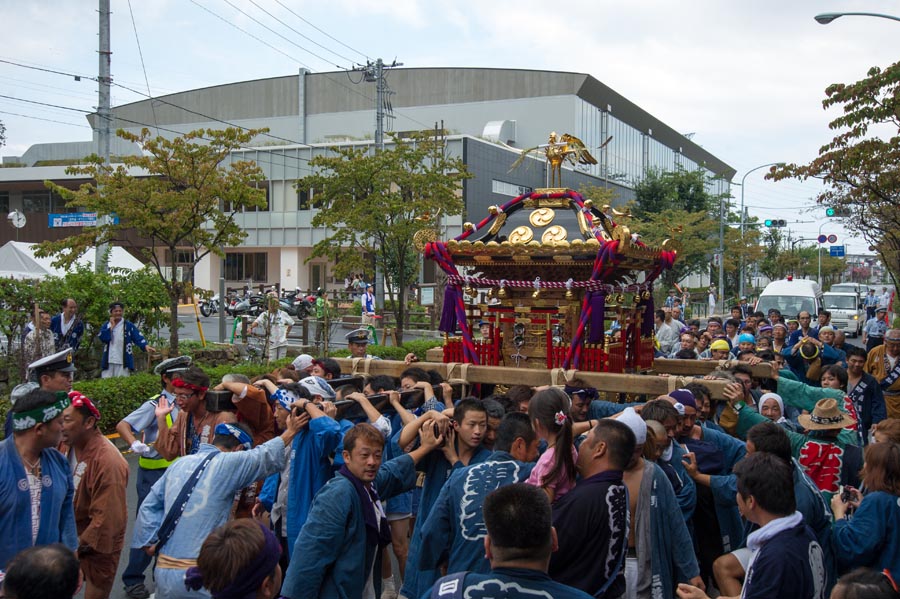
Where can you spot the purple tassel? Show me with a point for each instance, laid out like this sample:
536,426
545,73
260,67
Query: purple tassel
598,307
647,325
448,315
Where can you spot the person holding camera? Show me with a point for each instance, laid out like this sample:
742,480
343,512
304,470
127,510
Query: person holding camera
871,535
195,496
194,424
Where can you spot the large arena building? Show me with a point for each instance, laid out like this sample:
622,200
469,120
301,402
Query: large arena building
486,114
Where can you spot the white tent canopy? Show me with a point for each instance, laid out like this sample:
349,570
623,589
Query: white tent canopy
17,260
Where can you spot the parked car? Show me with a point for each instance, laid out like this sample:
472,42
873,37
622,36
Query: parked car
847,313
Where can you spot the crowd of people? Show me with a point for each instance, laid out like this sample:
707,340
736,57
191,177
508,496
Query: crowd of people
777,475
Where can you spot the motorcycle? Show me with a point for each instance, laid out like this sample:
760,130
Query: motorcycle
252,304
295,304
211,306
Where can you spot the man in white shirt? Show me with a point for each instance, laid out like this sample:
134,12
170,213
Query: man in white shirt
274,326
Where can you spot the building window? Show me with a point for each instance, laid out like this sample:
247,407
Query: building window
249,266
181,257
307,200
509,189
35,201
4,202
264,185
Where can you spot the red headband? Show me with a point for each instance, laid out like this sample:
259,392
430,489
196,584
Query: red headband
183,385
83,401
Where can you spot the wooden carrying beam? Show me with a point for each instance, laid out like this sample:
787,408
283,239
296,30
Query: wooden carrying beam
704,367
641,384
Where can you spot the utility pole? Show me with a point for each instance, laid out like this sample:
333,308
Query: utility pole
722,254
104,117
374,73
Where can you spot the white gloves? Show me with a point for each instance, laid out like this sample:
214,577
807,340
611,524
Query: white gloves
140,448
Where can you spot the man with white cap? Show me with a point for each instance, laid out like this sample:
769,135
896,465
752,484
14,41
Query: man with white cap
357,343
368,305
303,364
151,465
660,550
54,372
874,330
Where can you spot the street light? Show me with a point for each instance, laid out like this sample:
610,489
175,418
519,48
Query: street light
827,17
744,178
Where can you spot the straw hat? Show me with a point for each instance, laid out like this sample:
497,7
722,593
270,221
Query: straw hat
825,416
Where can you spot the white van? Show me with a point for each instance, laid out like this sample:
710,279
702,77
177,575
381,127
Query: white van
846,313
790,297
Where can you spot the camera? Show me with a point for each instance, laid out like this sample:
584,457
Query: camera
219,400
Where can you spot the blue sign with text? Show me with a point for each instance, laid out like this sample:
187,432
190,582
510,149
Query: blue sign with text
837,251
76,219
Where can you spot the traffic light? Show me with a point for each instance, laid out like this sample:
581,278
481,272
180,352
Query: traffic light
837,212
773,223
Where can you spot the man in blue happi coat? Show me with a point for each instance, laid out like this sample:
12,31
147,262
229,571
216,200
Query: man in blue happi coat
218,471
336,549
520,539
67,327
119,337
454,531
462,448
37,491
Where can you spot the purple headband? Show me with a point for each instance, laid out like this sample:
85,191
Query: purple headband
588,393
246,582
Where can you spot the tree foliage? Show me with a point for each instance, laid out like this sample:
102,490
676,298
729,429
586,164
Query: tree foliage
373,203
178,195
141,291
860,166
676,204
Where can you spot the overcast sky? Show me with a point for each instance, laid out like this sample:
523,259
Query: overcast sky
747,78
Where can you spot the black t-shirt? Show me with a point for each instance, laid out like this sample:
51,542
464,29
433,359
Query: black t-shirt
591,523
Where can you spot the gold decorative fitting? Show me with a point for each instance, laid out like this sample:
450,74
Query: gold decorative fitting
636,299
468,227
521,234
589,204
501,292
423,237
493,210
541,217
645,295
547,202
554,234
536,294
570,295
498,222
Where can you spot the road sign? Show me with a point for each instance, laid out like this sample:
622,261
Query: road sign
75,219
822,238
832,238
836,251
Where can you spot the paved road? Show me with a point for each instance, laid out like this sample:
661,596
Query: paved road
190,330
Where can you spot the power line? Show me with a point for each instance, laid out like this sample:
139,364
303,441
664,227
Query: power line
327,49
143,67
323,32
227,22
264,26
38,118
124,120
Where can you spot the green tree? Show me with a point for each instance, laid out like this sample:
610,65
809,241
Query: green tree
373,203
860,166
182,202
676,204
